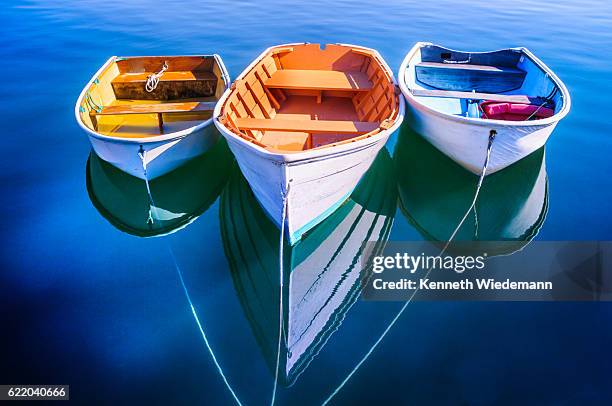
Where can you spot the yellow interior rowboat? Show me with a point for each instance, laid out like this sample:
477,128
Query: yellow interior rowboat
148,115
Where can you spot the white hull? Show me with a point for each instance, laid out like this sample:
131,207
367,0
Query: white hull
465,139
160,157
314,183
466,143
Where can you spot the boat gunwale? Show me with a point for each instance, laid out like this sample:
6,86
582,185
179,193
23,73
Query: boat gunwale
487,122
157,138
315,153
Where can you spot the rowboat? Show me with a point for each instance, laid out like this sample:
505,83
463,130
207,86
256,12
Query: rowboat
149,115
458,100
321,271
305,123
175,199
434,193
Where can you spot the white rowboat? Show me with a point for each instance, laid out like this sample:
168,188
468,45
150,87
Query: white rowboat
305,123
149,115
456,99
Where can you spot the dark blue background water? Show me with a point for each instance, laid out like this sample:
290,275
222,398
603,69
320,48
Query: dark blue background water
84,304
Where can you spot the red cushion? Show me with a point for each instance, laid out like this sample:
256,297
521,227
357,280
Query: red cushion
514,111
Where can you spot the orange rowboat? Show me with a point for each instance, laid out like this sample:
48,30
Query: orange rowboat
305,122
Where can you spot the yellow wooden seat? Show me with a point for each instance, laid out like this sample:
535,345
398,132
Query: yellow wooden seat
172,85
159,109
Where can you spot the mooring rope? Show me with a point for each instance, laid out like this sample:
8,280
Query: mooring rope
281,316
142,154
202,333
153,79
483,172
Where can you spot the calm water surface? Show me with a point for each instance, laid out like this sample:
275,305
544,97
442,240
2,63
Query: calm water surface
85,300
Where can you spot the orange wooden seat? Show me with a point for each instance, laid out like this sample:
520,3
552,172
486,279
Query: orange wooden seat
319,80
309,126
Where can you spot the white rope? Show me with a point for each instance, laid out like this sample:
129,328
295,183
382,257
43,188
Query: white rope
142,154
153,80
478,186
197,320
401,311
281,244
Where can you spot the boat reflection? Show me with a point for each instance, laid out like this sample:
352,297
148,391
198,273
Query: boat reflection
321,272
176,199
434,193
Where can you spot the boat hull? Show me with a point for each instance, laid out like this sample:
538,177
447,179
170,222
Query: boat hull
149,160
466,143
466,139
313,188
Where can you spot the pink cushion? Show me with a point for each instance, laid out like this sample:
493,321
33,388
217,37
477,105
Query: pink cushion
514,111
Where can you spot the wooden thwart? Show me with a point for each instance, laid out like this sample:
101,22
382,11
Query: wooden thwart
172,85
319,80
476,96
159,109
467,77
165,77
483,68
309,126
184,107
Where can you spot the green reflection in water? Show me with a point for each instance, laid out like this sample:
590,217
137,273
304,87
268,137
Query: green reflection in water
179,197
434,193
322,281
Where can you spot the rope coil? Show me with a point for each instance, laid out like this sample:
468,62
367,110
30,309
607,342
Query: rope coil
153,79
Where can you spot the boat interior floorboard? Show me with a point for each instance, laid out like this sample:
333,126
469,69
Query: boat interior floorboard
307,108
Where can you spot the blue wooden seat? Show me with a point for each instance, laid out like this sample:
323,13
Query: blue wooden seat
467,77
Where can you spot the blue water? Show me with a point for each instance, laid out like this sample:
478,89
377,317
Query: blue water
86,304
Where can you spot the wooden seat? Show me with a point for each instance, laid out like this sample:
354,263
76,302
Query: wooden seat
172,85
309,126
467,77
166,77
184,107
502,98
319,80
484,68
159,109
